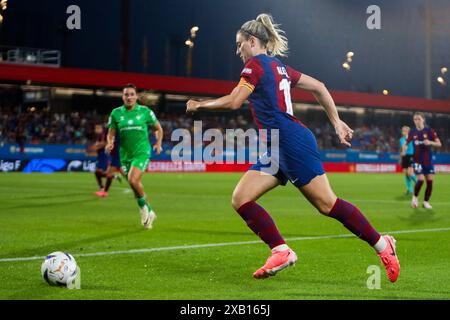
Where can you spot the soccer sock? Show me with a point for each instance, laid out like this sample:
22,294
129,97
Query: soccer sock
414,178
109,180
418,187
262,224
429,190
142,202
99,175
354,220
283,247
381,245
408,183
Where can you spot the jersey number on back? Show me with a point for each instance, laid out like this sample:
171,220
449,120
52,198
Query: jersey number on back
285,86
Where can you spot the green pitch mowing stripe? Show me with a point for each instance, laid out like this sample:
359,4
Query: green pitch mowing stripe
202,249
213,245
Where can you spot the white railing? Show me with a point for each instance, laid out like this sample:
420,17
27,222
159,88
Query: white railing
32,56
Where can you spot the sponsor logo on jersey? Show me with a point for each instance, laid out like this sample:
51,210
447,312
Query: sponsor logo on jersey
140,128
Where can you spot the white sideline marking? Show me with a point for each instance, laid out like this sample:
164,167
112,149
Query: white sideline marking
402,202
212,245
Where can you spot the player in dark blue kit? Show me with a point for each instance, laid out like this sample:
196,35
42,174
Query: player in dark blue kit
423,139
106,164
266,82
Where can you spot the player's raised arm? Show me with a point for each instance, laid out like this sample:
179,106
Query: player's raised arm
159,133
230,102
323,96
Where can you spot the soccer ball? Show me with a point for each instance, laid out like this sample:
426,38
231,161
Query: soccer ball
59,269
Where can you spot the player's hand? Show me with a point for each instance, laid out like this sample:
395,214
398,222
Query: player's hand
192,106
109,147
158,149
427,142
344,132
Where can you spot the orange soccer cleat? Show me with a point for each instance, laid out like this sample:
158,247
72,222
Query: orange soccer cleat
101,194
390,259
279,261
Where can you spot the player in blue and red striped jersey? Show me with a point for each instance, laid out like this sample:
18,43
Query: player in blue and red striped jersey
106,164
423,139
266,82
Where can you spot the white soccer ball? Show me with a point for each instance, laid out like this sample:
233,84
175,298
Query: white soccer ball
59,269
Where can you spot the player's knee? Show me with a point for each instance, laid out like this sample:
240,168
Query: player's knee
133,181
325,206
237,201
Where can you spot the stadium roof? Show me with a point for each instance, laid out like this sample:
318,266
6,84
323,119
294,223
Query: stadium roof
192,86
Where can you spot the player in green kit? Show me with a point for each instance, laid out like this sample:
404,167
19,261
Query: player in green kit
131,121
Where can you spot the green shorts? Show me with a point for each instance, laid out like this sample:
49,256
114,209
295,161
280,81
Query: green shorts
141,163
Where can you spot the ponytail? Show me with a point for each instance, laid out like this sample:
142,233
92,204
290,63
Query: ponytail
268,32
278,43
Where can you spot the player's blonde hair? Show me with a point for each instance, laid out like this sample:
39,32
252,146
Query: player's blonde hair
268,32
420,114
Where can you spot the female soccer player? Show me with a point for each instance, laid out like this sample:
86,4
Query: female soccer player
406,161
106,165
101,164
267,83
423,139
131,121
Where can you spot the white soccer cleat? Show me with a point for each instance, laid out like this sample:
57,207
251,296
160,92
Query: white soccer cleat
415,202
147,218
427,205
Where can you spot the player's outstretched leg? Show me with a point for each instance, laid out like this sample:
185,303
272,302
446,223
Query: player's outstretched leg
148,216
410,179
262,224
319,193
415,199
428,192
352,218
99,175
109,180
409,188
251,187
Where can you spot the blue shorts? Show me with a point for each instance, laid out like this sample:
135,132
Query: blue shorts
423,169
115,161
102,162
298,160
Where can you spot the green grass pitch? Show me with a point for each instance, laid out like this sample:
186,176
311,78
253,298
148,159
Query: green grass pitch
40,214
